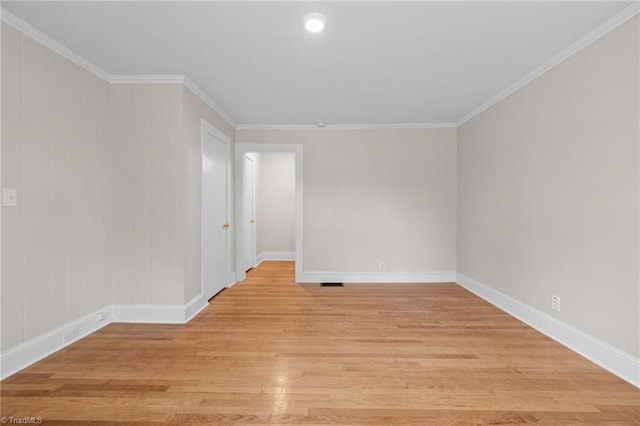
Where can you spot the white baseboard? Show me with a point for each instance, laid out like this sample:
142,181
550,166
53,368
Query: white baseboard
33,350
378,277
620,363
193,308
231,279
159,314
167,314
277,255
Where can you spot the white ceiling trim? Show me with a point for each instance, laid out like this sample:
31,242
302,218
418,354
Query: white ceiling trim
612,23
72,56
47,41
345,126
147,79
37,35
188,83
173,79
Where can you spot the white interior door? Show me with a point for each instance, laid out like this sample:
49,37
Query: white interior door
249,213
215,225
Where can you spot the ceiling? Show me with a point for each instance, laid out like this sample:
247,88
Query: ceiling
375,63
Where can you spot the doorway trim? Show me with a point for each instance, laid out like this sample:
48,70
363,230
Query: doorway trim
251,262
240,150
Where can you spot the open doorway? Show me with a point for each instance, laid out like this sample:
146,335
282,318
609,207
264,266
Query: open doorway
275,206
255,241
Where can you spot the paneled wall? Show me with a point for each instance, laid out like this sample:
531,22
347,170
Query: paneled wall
146,125
157,168
56,244
108,180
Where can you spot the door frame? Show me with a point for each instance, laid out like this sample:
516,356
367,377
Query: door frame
206,127
251,262
240,150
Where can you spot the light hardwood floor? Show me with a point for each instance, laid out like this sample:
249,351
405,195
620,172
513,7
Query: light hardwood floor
269,351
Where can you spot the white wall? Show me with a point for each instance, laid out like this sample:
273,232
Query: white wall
372,196
275,203
56,245
548,191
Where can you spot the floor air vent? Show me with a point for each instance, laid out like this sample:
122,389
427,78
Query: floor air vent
332,285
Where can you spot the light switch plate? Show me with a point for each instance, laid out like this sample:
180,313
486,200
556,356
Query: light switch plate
9,197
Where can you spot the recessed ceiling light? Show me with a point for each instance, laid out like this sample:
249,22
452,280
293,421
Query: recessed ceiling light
314,22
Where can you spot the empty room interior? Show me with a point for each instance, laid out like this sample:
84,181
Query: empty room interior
420,212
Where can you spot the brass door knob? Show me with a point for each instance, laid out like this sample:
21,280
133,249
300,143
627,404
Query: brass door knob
225,225
252,221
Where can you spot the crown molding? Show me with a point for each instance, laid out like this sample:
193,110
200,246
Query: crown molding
188,83
146,79
345,126
30,31
606,27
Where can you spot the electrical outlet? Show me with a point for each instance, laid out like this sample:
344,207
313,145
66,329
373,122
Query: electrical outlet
71,334
555,302
102,316
382,267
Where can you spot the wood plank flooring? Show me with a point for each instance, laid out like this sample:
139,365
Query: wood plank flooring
269,351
